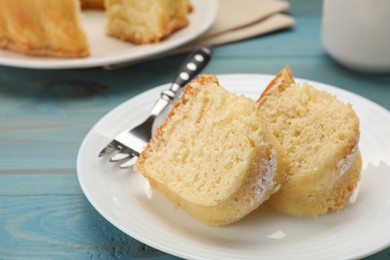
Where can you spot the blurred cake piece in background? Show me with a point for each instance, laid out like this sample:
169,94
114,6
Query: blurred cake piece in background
54,27
43,28
146,21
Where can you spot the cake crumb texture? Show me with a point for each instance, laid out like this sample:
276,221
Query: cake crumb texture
212,156
318,133
43,28
146,21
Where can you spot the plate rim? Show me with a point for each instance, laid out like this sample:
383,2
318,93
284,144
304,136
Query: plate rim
223,76
34,62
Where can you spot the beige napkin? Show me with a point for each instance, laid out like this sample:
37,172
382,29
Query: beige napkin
237,20
241,19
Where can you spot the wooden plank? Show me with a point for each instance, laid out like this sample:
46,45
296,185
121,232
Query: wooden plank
63,227
39,182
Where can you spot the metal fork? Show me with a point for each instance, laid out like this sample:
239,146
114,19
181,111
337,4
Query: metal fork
131,142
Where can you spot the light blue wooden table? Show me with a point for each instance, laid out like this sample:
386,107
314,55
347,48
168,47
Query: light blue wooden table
45,114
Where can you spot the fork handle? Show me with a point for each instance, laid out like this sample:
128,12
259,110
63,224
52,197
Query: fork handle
195,62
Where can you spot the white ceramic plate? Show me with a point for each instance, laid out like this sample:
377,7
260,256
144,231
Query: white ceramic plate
107,51
125,199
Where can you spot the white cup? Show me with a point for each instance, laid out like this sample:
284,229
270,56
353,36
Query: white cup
356,33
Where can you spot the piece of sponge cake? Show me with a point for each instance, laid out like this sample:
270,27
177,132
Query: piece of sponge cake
146,21
319,135
43,28
54,27
212,156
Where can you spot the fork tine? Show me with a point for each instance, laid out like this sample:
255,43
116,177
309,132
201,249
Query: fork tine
119,156
132,141
129,163
108,149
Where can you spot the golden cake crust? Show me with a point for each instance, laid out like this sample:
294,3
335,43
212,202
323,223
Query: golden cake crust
282,80
53,27
262,177
92,4
44,28
165,18
324,186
